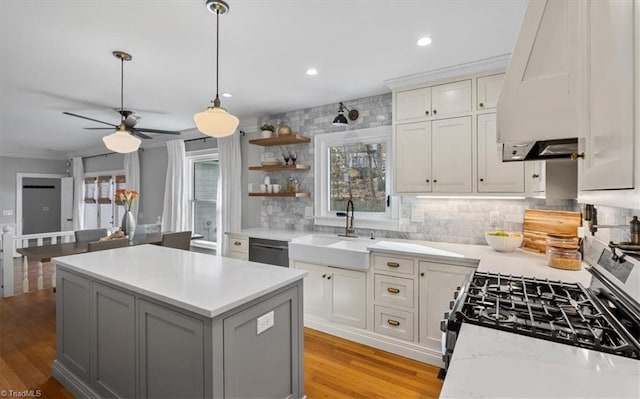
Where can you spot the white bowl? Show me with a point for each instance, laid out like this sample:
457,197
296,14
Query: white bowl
503,243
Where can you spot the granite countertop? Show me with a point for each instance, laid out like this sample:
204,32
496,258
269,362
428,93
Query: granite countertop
203,284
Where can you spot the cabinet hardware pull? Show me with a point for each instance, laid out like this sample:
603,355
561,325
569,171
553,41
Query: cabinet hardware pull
427,180
481,179
324,275
328,277
237,243
393,264
426,112
535,176
435,181
392,322
422,274
393,290
481,105
434,111
575,156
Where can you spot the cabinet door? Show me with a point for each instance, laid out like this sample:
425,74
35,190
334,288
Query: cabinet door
113,369
313,287
488,91
451,155
346,296
73,324
495,176
608,148
237,245
413,104
535,174
451,98
170,371
437,285
413,158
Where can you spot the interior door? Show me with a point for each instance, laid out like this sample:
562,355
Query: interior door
66,204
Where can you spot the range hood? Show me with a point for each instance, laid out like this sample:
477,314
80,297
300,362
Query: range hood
539,150
538,111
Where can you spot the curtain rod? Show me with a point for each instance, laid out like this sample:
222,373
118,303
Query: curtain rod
107,153
207,138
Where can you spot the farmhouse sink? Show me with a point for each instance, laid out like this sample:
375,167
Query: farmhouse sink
346,253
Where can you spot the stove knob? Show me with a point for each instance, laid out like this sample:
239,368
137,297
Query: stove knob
446,315
451,303
455,294
443,325
458,288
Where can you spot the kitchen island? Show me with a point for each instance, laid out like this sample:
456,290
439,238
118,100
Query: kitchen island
151,321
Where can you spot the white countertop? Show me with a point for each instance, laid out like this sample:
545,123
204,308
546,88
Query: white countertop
270,234
204,284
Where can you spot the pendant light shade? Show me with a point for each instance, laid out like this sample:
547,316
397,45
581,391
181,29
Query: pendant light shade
215,121
340,120
121,141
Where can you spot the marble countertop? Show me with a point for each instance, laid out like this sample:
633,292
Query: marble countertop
270,234
204,284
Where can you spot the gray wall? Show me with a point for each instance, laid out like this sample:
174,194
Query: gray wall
9,166
40,205
153,172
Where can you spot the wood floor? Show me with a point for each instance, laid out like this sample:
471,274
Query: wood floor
334,368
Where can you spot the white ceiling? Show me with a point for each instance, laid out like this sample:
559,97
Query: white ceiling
56,56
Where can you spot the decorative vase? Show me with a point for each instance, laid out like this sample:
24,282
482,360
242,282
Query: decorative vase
128,226
284,130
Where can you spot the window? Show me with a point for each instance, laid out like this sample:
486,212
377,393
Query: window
355,165
100,208
203,195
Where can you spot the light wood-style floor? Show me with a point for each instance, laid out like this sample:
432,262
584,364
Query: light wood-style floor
334,368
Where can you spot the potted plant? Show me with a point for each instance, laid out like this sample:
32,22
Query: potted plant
267,130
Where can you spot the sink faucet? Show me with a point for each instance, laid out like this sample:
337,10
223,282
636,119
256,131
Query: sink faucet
349,231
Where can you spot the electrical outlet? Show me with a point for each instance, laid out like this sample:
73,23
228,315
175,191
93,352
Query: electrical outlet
417,215
265,322
7,212
494,218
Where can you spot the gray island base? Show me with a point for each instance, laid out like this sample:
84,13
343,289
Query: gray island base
156,322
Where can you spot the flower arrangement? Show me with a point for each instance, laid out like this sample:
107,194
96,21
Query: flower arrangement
126,197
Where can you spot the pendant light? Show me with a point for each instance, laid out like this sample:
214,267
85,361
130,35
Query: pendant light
215,121
121,140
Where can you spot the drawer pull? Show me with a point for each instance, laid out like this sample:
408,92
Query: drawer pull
237,243
393,290
392,322
393,264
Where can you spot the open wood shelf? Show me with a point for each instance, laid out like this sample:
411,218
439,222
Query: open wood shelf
274,168
281,140
298,195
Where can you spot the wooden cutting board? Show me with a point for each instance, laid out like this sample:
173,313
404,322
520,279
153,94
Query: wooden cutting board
538,223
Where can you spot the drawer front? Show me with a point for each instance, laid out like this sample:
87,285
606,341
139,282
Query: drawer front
394,264
238,255
236,244
393,322
393,291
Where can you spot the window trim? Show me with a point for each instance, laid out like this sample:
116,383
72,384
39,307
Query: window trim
209,154
390,219
115,217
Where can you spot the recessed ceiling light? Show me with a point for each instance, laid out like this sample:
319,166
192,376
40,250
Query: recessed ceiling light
227,95
424,41
312,71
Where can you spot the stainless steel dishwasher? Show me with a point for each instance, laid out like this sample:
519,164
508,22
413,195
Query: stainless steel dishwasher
272,252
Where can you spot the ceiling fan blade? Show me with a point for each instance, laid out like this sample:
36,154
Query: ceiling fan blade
135,132
157,131
87,118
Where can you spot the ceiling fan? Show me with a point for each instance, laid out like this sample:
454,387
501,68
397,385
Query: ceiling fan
128,119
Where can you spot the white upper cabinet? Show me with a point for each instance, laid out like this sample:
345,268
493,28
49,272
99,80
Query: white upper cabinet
433,102
609,125
541,94
451,98
488,91
452,155
495,176
413,157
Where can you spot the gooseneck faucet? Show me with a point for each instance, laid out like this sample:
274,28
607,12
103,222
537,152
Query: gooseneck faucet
349,231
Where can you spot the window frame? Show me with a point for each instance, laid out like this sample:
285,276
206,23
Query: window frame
388,220
117,210
210,154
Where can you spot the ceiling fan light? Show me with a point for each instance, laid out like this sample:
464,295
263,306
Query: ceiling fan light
122,142
216,122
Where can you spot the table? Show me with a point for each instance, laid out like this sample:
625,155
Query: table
44,253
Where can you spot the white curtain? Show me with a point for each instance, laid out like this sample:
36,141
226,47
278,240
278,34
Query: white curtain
175,215
132,174
229,210
78,193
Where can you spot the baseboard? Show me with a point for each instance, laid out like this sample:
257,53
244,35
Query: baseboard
379,341
78,388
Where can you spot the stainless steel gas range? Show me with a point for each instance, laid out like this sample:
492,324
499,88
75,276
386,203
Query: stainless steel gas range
603,317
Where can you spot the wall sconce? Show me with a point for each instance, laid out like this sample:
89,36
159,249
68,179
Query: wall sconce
340,120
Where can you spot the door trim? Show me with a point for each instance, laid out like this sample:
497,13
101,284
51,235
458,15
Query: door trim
19,177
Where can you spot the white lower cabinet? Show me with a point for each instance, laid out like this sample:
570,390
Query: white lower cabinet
336,294
393,322
237,246
438,282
